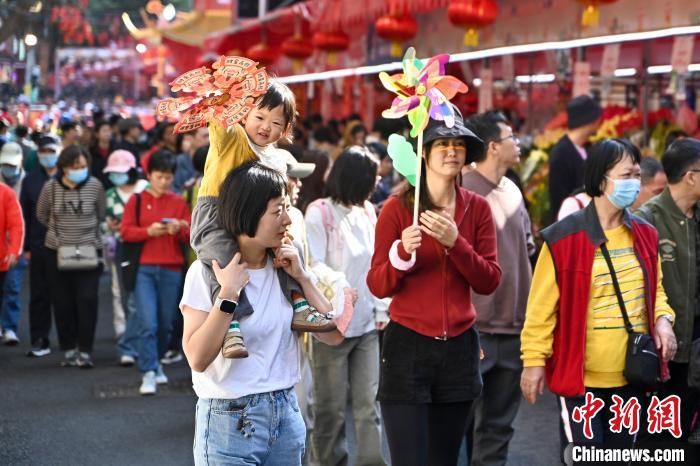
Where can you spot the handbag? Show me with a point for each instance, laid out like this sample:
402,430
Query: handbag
131,254
75,256
641,360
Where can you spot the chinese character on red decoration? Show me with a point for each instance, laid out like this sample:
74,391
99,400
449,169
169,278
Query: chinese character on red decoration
587,412
626,415
664,415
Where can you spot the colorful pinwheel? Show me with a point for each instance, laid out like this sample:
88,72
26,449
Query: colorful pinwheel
226,93
423,91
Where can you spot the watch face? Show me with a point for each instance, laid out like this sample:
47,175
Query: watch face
227,306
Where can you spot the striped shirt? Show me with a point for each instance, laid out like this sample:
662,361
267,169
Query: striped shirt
72,216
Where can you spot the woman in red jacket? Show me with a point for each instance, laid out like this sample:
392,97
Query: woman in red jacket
11,232
430,357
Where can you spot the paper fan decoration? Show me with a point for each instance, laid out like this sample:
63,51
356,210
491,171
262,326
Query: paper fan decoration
225,92
423,91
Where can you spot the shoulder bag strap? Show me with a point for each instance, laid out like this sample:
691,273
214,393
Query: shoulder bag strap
138,209
616,285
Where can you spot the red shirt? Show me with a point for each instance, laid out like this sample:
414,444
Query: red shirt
163,250
433,296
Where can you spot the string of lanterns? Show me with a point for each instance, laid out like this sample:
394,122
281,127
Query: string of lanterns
398,26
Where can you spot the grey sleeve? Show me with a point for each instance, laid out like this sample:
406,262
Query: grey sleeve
43,205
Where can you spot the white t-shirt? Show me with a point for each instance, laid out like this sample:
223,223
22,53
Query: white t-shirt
273,358
347,249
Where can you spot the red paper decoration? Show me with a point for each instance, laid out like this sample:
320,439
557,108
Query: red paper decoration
331,42
298,49
397,28
472,15
263,54
72,25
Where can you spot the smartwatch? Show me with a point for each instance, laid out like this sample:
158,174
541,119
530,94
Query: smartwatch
226,305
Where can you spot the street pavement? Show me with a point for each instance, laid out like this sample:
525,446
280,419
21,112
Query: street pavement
51,415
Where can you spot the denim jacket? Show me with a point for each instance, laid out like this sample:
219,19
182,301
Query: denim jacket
677,251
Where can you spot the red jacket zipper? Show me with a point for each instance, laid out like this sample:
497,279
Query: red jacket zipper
444,290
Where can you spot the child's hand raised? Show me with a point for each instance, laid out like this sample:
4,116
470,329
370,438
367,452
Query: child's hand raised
233,277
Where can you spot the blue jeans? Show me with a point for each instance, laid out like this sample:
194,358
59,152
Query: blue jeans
12,302
264,429
128,342
157,289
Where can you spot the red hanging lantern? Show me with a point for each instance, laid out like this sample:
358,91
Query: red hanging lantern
591,12
331,42
472,15
263,54
298,49
397,28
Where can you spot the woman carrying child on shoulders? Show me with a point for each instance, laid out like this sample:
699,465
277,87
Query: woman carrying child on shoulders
247,409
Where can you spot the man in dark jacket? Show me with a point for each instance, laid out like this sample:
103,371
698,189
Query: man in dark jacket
34,249
568,154
675,214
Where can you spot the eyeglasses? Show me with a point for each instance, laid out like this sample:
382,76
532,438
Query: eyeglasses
515,138
693,170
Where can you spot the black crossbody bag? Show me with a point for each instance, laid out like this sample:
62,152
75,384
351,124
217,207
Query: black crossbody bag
131,254
642,360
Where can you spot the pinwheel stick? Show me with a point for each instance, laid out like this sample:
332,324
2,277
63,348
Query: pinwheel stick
419,169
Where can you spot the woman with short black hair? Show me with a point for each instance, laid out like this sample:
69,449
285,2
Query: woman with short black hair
72,206
340,232
574,331
247,410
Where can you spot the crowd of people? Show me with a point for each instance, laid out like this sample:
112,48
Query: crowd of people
281,259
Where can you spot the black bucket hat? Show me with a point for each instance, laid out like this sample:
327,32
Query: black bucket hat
437,129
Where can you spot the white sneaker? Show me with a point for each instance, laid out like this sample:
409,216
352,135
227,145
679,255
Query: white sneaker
126,360
161,378
119,330
148,383
10,338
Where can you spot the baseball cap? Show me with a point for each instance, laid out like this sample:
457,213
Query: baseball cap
47,143
120,161
297,169
11,154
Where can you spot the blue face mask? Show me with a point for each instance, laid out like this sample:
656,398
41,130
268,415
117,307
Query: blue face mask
78,176
10,175
48,161
118,179
624,193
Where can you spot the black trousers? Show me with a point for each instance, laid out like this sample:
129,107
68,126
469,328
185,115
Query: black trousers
426,434
74,296
39,298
